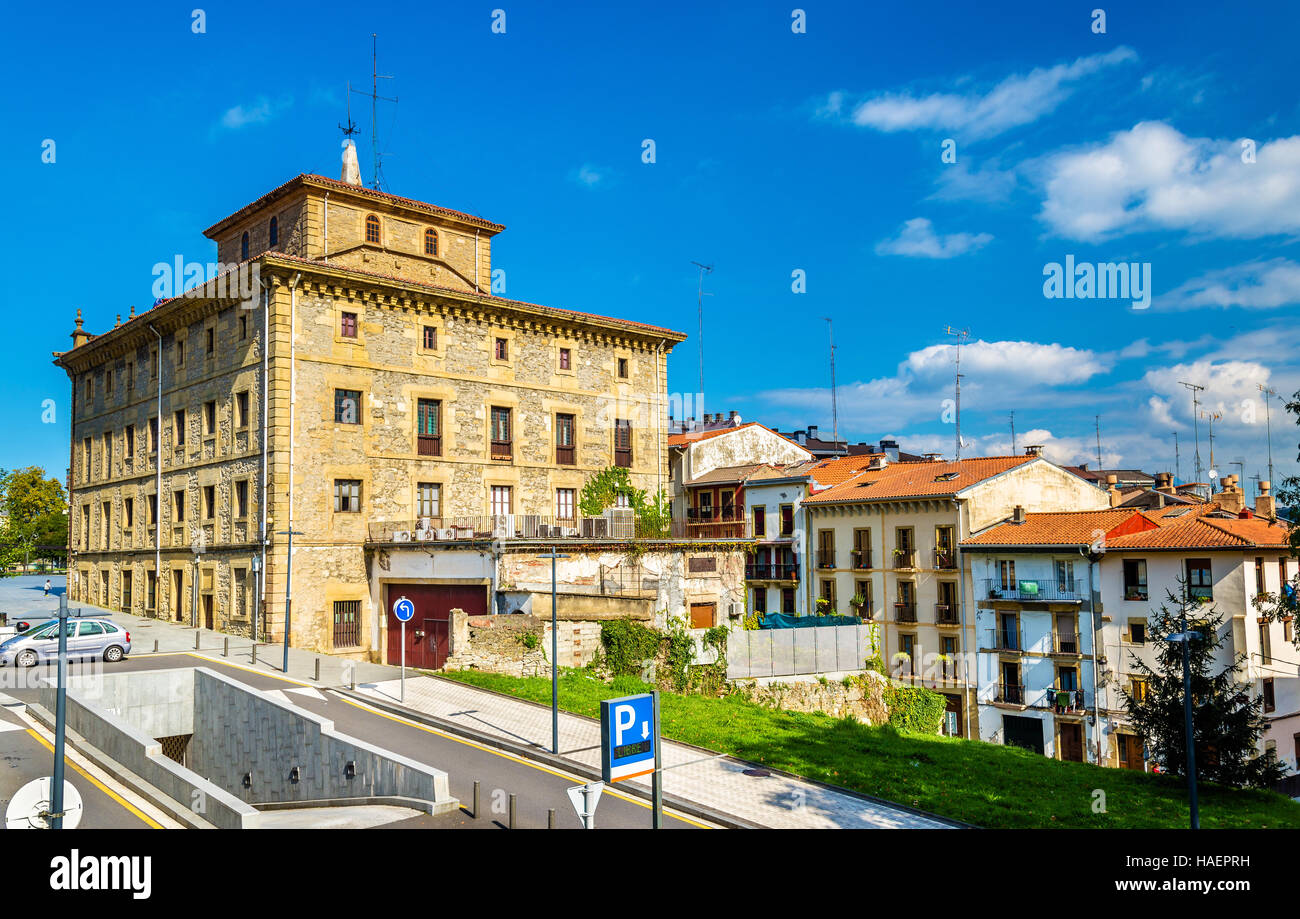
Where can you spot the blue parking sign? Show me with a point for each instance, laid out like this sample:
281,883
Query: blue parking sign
627,735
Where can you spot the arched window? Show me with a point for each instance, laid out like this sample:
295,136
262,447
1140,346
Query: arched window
243,248
430,242
372,229
275,232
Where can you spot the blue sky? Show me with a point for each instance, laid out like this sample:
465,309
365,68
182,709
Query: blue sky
775,152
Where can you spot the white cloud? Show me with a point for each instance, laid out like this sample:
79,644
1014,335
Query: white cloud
917,238
262,111
1152,177
1256,285
1231,390
988,184
1027,363
590,176
1017,100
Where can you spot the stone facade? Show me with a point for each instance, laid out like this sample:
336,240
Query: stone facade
861,697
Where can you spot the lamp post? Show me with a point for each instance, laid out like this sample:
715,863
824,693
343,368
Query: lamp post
257,594
555,660
288,591
60,718
1184,638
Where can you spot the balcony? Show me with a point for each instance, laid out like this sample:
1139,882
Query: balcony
905,612
1002,640
1064,701
429,445
825,558
1066,643
904,558
564,455
945,559
618,524
1032,590
716,522
502,450
772,571
946,614
861,559
1010,694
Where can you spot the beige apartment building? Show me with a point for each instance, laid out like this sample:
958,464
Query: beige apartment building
348,366
884,543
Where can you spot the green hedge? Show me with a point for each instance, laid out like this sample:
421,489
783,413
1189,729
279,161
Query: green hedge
914,710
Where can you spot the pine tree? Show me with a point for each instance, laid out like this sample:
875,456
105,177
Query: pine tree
1226,722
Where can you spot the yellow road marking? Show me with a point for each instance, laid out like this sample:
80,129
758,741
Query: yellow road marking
516,759
153,825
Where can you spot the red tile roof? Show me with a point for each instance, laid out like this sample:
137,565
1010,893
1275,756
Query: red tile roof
917,480
1065,528
687,438
1207,533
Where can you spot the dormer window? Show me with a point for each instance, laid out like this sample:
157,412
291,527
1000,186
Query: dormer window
275,232
243,248
372,229
430,242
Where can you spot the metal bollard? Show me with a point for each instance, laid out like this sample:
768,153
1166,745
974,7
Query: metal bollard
196,639
550,819
254,652
318,670
155,646
512,811
225,646
475,813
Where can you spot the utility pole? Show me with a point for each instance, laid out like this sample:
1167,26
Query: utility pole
288,592
1268,423
375,76
1098,420
835,411
961,335
1196,414
704,269
1013,433
1212,417
555,659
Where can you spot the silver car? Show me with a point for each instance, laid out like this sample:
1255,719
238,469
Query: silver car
86,638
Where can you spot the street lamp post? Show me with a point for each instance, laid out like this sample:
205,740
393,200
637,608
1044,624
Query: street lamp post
288,591
555,660
60,718
1185,637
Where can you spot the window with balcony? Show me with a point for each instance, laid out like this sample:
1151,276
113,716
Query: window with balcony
623,443
905,660
945,611
862,548
1006,574
502,446
347,406
564,440
1135,579
867,604
905,605
1200,583
1064,570
904,547
828,593
347,496
428,427
945,548
825,548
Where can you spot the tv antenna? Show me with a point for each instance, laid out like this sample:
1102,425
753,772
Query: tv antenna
1013,433
351,127
377,178
1098,422
1212,417
962,335
835,410
1196,430
704,269
1178,468
1268,423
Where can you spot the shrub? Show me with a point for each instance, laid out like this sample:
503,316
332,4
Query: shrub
914,710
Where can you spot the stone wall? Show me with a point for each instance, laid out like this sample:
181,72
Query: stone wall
496,644
862,698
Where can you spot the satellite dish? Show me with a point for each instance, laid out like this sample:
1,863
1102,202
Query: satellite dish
1214,473
30,804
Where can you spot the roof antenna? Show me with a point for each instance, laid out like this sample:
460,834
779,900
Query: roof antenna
351,168
377,177
704,269
1013,433
961,335
835,410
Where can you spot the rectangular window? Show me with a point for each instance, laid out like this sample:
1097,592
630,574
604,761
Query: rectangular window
178,428
347,406
106,521
1266,642
825,548
828,594
1135,579
209,418
178,507
348,325
241,499
1270,700
130,375
347,623
945,555
565,501
623,442
126,591
787,519
1200,583
210,343
85,527
760,599
153,510
347,496
904,548
428,427
862,594
90,387
151,581
428,499
108,453
500,499
87,459
1064,569
153,435
108,382
180,352
502,350
1137,633
1007,574
239,587
565,358
759,513
209,502
862,548
153,364
128,512
241,409
501,444
128,444
564,448
622,368
1138,689
430,338
787,600
1259,574
243,327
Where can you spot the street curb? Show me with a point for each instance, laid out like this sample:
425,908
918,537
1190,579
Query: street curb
527,751
839,789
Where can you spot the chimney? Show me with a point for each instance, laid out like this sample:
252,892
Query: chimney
351,168
1232,499
932,457
1265,504
812,432
1018,514
1165,483
1160,499
1034,450
879,461
1112,489
734,417
890,449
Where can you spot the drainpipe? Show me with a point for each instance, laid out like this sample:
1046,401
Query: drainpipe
293,396
659,426
961,570
1096,696
476,290
266,382
157,500
325,249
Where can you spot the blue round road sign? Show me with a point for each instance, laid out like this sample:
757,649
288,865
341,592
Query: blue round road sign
403,609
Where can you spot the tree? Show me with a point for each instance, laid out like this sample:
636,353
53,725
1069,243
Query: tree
35,512
1226,722
612,486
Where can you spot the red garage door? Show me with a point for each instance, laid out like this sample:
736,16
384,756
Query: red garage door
428,634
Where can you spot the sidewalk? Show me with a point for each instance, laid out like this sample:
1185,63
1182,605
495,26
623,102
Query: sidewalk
716,783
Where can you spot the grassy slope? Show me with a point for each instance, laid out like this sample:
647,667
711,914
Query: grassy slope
984,784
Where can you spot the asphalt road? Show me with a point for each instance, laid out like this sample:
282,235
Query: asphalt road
537,787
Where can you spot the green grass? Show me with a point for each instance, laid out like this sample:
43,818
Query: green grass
985,784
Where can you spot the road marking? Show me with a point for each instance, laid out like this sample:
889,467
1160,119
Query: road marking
10,726
567,776
307,691
153,825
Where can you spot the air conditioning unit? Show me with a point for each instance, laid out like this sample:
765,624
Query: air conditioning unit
571,532
529,525
448,533
424,535
622,522
595,527
501,526
424,524
401,536
462,532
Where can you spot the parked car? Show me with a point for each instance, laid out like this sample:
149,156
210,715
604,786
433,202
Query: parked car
92,637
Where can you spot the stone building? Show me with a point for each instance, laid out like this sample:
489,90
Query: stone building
347,369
